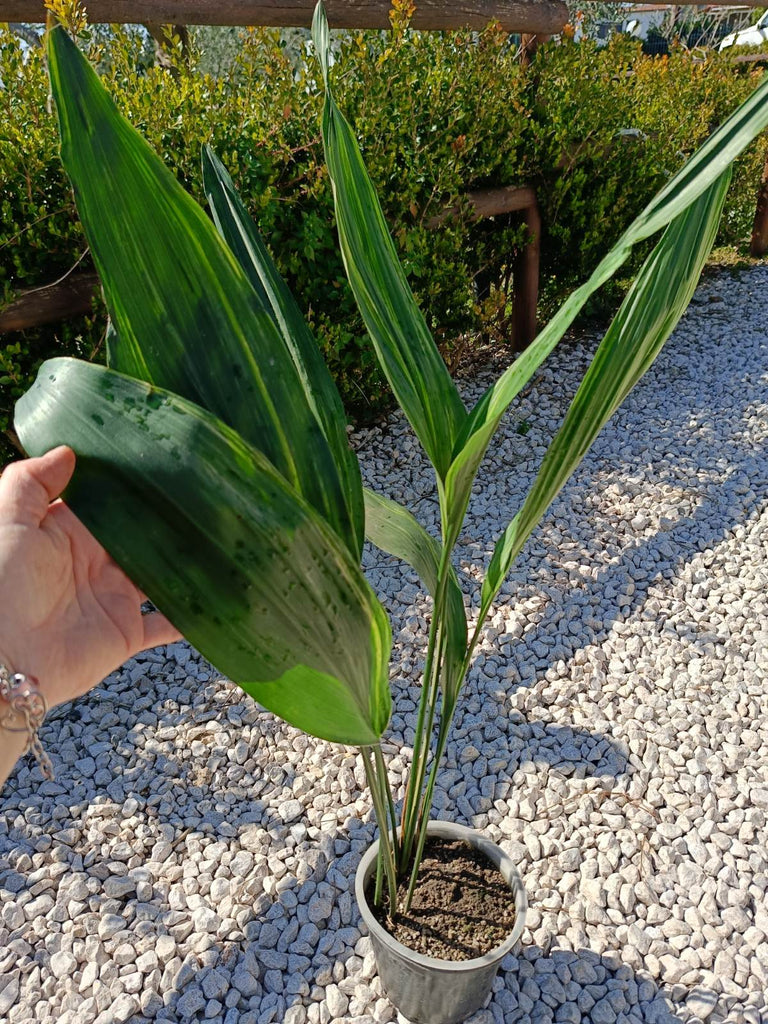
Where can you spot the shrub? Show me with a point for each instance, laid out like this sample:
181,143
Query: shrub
610,127
441,113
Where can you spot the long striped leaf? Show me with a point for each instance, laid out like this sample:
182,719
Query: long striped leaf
204,524
404,346
393,529
697,176
242,236
647,317
186,317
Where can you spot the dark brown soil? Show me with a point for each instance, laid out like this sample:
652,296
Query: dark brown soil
462,907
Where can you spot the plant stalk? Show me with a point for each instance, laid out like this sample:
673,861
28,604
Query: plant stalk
426,802
379,879
413,789
381,770
427,708
432,689
386,851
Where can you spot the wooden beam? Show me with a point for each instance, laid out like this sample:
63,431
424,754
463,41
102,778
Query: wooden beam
533,16
749,58
70,297
490,202
698,3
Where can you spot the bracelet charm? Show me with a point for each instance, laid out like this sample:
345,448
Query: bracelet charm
28,708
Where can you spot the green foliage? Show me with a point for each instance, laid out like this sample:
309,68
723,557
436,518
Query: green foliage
440,114
610,127
238,487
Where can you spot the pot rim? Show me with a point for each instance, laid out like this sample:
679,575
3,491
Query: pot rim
476,839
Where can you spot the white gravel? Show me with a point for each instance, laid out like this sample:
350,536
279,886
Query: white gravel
195,857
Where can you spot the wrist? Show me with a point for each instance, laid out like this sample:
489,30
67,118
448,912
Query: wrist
7,662
24,664
23,708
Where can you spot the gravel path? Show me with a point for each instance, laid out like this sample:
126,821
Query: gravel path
194,858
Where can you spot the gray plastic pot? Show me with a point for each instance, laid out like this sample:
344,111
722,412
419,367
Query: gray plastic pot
425,989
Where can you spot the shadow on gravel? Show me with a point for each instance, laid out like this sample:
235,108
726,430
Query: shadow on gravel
565,987
669,551
718,479
568,751
562,987
160,775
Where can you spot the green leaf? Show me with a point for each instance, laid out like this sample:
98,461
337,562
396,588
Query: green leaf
119,357
647,317
697,176
393,529
243,238
404,346
185,315
204,524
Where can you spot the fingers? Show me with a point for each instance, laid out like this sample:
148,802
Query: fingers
27,488
158,630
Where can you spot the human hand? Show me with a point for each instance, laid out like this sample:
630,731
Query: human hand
68,614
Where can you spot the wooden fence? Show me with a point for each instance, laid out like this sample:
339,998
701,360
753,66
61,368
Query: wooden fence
547,16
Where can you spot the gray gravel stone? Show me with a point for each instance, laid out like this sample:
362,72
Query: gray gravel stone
701,1003
215,985
246,983
63,964
336,1001
291,810
204,919
10,993
320,908
109,925
190,1002
116,887
568,1013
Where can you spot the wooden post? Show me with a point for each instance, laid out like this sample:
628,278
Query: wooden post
525,275
529,44
759,244
497,202
546,16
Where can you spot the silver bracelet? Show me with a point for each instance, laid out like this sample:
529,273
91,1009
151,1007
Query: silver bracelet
28,708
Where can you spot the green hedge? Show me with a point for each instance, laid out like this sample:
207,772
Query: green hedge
610,126
595,131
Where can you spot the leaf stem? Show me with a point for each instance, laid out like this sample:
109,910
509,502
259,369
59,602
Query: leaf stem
413,785
426,803
386,851
433,695
427,707
381,769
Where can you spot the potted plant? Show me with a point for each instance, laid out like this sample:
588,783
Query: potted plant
213,463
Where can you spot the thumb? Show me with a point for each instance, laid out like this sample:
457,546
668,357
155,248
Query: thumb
27,488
